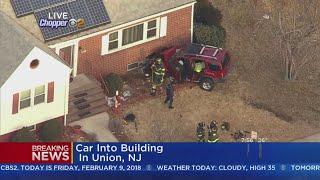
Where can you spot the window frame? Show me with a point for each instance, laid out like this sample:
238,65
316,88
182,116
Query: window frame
132,27
24,99
44,93
152,28
32,97
115,40
105,39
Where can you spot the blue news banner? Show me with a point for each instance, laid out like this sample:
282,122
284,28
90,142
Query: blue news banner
245,159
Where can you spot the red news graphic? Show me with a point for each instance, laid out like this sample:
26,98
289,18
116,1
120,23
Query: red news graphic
36,153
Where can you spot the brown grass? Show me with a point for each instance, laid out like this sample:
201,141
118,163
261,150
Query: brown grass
157,123
255,97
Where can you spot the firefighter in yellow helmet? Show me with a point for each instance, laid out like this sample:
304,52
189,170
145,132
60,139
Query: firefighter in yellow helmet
198,68
158,72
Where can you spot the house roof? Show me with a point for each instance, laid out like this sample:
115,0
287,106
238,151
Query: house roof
120,12
15,45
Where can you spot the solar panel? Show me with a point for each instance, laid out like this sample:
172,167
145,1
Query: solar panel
54,2
93,13
39,4
80,11
63,8
98,11
21,7
25,7
47,32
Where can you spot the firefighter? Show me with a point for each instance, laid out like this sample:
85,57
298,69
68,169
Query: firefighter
197,69
169,93
199,66
213,132
182,71
158,72
201,132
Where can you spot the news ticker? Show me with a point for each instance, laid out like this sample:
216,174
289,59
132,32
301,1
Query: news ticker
165,168
162,158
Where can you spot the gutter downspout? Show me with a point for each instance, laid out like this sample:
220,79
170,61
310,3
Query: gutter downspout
192,21
66,97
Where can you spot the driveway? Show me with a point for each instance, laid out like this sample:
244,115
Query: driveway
98,125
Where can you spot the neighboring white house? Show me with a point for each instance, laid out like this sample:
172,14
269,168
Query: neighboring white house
34,81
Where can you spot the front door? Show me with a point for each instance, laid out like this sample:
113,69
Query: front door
67,54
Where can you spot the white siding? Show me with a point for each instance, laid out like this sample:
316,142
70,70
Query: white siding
25,78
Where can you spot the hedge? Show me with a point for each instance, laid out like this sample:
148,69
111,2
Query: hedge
209,35
114,83
51,131
24,135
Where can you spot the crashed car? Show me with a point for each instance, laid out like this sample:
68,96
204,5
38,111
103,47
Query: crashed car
180,63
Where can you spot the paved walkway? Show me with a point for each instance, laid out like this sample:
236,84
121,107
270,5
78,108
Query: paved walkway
98,125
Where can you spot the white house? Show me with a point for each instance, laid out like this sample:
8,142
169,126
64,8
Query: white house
34,81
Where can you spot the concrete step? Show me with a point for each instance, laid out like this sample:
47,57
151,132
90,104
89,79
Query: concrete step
87,86
86,113
88,106
87,100
87,93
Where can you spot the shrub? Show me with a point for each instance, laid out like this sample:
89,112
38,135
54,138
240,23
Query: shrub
24,135
114,83
209,35
51,131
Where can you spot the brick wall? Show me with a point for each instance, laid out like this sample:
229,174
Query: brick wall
6,137
91,62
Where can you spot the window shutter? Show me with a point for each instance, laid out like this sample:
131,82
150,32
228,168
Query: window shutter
50,96
105,44
163,26
15,103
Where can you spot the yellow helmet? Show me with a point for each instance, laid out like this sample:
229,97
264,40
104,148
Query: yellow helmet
159,60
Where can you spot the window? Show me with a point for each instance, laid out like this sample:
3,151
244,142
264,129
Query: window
25,99
39,95
152,29
33,97
214,67
132,34
113,41
34,64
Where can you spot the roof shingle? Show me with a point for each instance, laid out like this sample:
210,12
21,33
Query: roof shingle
15,45
120,12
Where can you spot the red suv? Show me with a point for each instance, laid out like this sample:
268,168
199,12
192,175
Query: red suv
180,64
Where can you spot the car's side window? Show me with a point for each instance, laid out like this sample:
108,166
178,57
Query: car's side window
214,67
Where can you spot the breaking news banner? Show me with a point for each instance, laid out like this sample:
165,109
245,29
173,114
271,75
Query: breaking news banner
244,159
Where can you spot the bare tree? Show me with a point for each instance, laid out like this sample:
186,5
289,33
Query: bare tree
299,34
